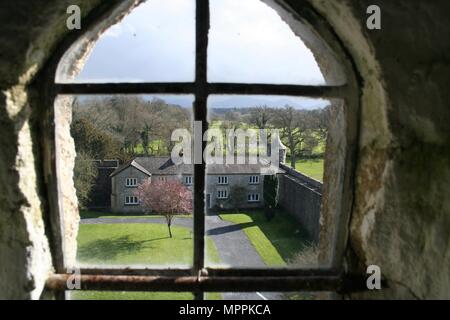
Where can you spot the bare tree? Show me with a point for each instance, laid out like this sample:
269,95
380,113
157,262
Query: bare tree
260,116
319,120
293,127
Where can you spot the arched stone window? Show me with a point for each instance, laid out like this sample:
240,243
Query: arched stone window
340,86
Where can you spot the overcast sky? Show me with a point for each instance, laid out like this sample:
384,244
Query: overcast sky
248,42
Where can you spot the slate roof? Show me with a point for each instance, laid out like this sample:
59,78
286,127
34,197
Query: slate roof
165,166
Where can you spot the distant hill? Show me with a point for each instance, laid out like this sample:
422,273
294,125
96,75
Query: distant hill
231,102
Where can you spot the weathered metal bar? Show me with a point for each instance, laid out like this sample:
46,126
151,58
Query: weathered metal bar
213,272
273,272
200,115
205,88
137,272
58,282
278,89
125,88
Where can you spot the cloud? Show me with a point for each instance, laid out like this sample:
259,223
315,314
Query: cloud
249,42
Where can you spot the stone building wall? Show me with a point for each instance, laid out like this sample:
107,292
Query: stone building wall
100,196
234,181
120,190
301,197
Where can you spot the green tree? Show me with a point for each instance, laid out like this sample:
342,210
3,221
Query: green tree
237,196
270,196
92,141
85,174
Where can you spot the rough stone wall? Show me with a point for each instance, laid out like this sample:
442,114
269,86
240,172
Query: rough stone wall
400,219
401,215
31,30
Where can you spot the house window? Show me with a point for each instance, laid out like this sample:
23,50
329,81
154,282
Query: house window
203,87
162,179
131,201
253,197
253,180
222,194
188,180
131,182
222,180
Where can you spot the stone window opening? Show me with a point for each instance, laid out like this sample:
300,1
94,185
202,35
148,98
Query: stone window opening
342,85
131,200
188,180
222,194
222,180
253,197
254,180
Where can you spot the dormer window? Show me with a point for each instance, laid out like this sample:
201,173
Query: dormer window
222,180
131,182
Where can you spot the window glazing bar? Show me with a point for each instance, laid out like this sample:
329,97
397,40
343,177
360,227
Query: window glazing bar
125,88
58,282
202,88
278,89
200,114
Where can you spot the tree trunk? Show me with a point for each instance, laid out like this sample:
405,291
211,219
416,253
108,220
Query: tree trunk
170,231
169,223
293,160
292,148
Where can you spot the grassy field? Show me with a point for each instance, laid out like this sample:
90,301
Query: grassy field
137,244
93,214
276,241
109,295
311,168
132,243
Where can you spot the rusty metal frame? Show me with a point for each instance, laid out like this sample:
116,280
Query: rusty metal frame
197,279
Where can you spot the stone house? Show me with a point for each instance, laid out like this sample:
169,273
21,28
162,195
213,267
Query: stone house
227,186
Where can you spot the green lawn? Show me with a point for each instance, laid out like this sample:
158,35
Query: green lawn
276,241
310,168
137,244
94,214
133,243
109,295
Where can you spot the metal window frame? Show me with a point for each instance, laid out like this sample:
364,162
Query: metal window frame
198,279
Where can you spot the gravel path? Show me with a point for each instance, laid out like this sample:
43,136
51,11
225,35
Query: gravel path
233,246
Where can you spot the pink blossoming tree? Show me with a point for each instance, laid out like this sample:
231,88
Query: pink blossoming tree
168,198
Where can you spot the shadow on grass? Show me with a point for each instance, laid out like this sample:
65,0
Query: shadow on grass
230,228
108,249
94,214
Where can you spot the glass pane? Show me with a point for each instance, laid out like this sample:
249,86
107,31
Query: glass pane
258,217
154,43
125,181
249,42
